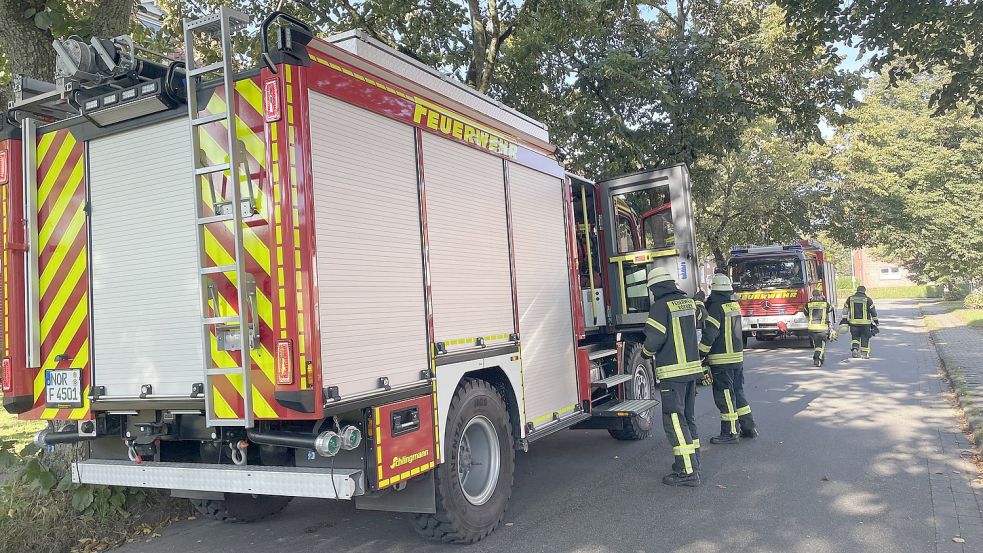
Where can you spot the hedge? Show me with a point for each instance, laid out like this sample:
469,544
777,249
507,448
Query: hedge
898,292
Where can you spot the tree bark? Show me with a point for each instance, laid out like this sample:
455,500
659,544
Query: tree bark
27,48
111,18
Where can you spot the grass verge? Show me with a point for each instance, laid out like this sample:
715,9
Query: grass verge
972,410
17,431
43,511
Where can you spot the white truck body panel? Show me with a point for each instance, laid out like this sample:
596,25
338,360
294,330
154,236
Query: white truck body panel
543,292
369,248
145,293
471,281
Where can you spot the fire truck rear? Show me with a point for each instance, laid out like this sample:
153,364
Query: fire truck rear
774,283
340,275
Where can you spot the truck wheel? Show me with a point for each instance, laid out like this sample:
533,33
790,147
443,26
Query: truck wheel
640,386
240,507
474,483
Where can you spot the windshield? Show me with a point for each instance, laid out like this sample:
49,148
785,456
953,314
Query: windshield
762,274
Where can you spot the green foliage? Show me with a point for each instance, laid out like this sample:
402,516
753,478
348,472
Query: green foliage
905,38
909,182
974,300
897,292
39,499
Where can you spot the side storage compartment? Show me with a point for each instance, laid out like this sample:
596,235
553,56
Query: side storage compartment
369,248
403,439
470,272
549,371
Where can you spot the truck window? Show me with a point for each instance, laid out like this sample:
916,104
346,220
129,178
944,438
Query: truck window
644,220
760,274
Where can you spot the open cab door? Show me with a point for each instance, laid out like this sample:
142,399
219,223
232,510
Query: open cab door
648,222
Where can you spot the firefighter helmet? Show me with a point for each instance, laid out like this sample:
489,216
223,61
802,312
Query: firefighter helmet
721,283
817,294
657,275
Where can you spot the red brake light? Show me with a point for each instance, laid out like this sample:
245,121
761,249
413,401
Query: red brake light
271,100
7,376
3,166
284,362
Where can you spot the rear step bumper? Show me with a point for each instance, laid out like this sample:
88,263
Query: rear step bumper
247,479
627,408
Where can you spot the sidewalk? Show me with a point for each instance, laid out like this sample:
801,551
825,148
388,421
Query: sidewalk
961,351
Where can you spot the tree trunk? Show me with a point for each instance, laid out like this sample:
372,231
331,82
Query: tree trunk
112,18
27,48
718,258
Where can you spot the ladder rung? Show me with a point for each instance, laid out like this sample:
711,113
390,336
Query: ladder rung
212,169
219,269
210,68
215,219
224,370
209,119
219,320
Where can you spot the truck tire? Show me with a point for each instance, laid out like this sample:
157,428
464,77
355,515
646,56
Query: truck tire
241,507
474,483
641,386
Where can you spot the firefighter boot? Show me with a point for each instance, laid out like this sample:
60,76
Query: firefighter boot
854,352
748,428
816,360
691,480
725,436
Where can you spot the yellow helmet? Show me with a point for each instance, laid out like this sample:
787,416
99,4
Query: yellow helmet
657,275
721,283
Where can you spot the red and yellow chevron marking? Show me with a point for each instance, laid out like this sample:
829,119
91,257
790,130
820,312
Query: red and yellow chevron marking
62,265
227,390
4,239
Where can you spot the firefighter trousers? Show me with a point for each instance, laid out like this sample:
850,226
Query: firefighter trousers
860,338
744,420
725,396
679,421
819,338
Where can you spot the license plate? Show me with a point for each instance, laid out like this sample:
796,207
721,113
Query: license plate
63,388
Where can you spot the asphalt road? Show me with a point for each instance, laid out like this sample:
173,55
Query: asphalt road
844,464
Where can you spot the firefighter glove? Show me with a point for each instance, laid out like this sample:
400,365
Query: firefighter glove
873,330
707,377
833,335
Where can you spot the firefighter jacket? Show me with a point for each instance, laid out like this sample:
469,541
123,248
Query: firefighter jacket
820,314
701,313
670,334
723,337
859,310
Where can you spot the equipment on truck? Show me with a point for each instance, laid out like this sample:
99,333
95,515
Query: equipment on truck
774,283
340,275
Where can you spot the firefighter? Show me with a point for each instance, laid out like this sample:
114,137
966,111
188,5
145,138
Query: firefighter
723,348
861,315
670,338
820,316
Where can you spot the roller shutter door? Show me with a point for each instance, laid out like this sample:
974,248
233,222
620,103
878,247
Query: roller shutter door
469,250
369,253
543,293
145,298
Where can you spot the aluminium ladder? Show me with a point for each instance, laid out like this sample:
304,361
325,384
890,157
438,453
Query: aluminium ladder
220,25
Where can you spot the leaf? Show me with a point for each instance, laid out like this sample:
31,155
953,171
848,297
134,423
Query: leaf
82,498
29,12
42,20
66,483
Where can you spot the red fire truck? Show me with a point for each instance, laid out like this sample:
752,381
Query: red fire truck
339,275
774,283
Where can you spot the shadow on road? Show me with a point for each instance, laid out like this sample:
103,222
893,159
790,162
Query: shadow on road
845,464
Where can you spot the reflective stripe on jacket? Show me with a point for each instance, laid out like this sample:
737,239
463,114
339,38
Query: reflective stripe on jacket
859,310
723,335
670,333
818,311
